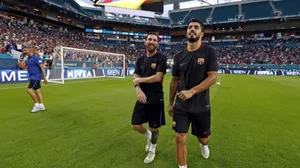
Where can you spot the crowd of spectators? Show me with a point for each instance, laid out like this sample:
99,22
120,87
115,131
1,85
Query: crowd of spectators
15,34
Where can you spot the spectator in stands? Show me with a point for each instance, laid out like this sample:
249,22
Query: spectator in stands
275,51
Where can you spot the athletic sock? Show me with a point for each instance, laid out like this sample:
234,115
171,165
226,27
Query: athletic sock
153,148
185,166
148,134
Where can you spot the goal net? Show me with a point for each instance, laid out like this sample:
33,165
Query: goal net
73,63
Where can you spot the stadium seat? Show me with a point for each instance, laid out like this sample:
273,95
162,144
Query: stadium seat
222,14
163,21
288,7
257,10
93,12
200,14
178,16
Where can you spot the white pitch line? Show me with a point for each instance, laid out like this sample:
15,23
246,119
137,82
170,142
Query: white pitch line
49,84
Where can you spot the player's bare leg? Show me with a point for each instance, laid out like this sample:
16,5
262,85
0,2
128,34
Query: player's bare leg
204,147
153,143
40,99
34,97
143,130
181,150
139,128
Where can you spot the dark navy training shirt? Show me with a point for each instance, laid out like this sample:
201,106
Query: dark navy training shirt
34,69
191,68
149,66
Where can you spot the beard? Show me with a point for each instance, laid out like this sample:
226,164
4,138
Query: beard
193,38
151,48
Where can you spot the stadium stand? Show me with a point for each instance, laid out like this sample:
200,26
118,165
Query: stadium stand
281,51
250,10
288,7
93,12
221,14
163,21
230,12
176,17
199,14
273,51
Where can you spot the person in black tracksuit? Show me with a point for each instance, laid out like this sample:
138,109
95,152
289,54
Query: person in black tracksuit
149,107
194,71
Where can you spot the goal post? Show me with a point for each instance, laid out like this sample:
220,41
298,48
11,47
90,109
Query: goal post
74,63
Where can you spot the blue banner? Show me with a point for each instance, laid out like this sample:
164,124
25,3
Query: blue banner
10,76
112,72
130,71
278,72
13,76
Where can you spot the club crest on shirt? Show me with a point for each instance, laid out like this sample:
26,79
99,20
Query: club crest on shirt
200,61
153,65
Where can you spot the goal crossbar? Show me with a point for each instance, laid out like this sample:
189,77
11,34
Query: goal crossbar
60,51
92,51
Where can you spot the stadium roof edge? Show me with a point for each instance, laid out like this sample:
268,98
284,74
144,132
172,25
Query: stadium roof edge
216,5
91,8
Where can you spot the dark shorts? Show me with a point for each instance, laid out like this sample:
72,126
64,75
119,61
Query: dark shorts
154,114
34,84
200,122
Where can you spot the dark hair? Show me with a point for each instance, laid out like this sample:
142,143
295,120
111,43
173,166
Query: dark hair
197,21
152,33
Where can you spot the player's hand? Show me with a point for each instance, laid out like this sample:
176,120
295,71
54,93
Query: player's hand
141,97
185,94
46,81
170,110
136,81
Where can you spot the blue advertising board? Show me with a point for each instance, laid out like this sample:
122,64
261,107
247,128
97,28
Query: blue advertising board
10,76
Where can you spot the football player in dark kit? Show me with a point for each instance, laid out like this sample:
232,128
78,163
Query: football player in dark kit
194,71
148,78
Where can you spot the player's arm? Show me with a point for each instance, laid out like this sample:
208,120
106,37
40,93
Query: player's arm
141,97
158,77
160,72
137,87
39,62
42,66
136,76
208,82
174,82
137,72
212,75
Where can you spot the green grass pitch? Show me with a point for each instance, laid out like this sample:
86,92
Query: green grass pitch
255,124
